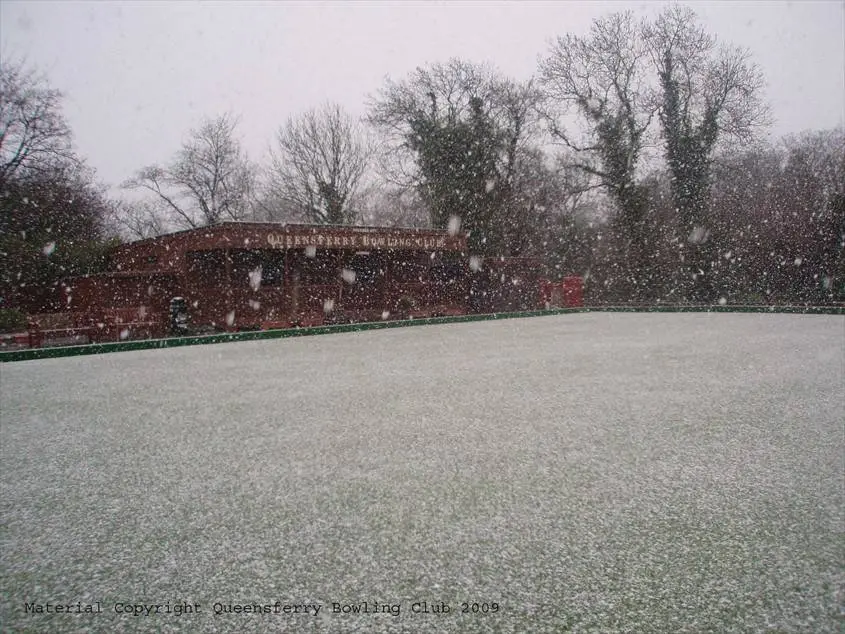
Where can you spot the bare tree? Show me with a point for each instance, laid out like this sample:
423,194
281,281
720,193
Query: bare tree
210,179
517,104
547,195
33,132
550,184
602,80
707,93
319,162
137,220
390,205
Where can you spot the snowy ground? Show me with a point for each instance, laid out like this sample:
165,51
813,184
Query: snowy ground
598,472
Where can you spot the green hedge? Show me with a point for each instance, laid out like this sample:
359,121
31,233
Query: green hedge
12,320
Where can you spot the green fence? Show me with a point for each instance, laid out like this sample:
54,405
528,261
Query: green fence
172,342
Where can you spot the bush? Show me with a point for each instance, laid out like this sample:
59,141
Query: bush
12,320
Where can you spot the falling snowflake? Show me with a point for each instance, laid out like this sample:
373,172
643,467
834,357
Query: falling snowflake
230,318
722,301
475,263
124,334
698,235
49,248
328,305
348,276
454,225
255,305
798,261
385,314
310,251
255,279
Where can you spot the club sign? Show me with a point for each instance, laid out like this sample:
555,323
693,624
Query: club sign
358,241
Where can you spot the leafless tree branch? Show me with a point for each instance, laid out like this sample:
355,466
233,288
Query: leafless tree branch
317,165
210,179
34,135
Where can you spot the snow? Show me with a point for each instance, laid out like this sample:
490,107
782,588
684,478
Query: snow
602,472
698,235
255,279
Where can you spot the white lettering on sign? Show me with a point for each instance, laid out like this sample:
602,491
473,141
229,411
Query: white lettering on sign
359,241
276,241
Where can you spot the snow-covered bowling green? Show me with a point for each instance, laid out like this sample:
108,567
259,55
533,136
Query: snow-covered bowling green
596,472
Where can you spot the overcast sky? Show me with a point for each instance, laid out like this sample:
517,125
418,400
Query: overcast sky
138,75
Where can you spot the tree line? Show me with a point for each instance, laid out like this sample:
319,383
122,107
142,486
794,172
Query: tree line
633,157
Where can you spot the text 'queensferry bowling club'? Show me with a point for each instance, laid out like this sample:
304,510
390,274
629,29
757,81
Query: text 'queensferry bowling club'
355,241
